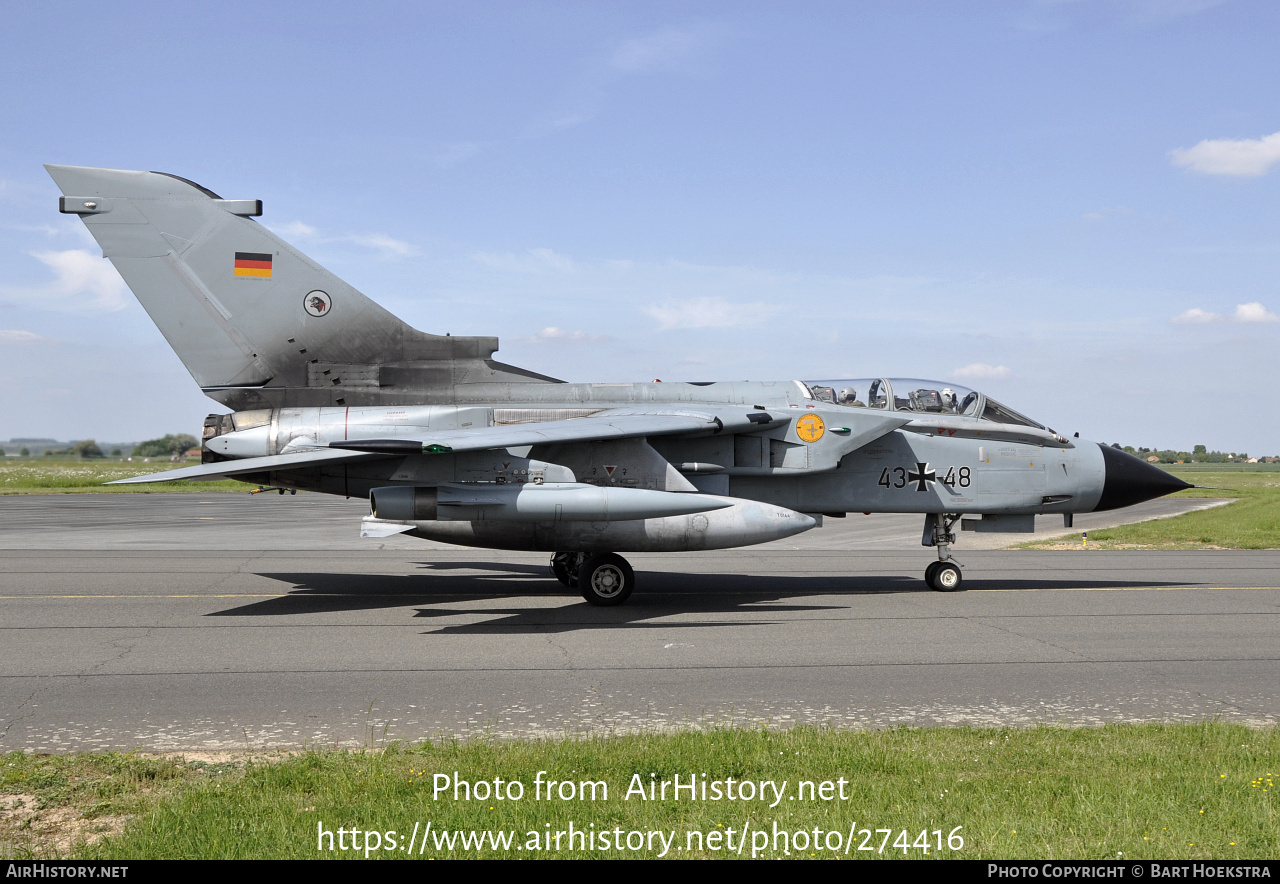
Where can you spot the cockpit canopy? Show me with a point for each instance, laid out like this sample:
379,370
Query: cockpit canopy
916,395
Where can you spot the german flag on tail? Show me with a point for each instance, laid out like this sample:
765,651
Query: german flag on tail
253,264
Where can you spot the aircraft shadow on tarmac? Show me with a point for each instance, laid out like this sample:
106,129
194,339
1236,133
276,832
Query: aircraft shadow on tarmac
664,594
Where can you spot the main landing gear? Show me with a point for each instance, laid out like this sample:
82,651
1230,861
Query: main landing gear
605,579
943,575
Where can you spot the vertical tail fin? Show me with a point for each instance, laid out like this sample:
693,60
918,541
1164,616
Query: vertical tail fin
255,321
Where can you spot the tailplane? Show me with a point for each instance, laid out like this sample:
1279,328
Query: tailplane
256,322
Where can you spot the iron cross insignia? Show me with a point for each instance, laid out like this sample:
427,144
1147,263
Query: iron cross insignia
922,476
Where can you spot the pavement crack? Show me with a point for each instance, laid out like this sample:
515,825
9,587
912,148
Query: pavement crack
15,718
1066,650
124,646
981,621
560,646
250,564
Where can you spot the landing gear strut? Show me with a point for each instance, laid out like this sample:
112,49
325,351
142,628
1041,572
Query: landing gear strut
565,565
943,575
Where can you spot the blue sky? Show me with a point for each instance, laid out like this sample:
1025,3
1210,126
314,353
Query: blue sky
1071,205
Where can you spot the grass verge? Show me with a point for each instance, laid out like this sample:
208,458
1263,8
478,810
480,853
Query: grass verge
1144,791
1251,521
88,476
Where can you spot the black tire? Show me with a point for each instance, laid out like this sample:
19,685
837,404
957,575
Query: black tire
564,567
948,577
929,573
606,579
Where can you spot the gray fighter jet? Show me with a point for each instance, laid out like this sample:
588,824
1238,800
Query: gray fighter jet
331,393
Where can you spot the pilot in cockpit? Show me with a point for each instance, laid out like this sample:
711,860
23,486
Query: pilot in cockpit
948,397
849,396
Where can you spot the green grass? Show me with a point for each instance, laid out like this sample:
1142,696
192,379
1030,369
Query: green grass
1251,521
65,476
1146,791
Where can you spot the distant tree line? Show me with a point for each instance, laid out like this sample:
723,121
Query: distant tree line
172,445
166,446
1198,454
85,448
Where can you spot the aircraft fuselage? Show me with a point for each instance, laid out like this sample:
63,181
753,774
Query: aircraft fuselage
933,463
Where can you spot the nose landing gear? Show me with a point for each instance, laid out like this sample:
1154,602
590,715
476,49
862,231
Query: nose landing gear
943,575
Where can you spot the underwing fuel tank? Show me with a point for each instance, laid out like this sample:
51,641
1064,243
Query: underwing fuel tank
708,522
556,502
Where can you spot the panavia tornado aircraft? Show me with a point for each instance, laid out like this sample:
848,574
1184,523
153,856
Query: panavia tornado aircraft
331,393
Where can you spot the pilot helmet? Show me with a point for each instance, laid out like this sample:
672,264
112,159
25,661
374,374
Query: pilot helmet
848,394
948,398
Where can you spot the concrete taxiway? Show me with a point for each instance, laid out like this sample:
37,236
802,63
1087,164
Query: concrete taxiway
243,521
197,622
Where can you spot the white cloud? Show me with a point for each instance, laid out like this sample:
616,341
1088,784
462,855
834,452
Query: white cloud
386,246
457,153
663,51
1250,313
82,281
530,261
1050,16
671,51
553,335
1195,316
46,229
551,124
1106,212
1223,156
1157,11
293,230
981,371
553,259
709,313
1254,312
19,337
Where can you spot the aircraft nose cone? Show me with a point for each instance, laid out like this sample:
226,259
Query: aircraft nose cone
1130,480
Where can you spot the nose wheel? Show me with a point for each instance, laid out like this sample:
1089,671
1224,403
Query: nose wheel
943,575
